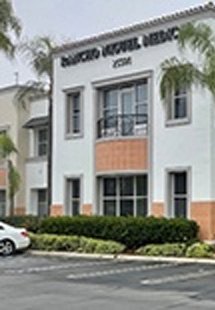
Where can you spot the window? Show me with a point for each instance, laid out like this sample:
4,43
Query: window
73,114
123,109
73,196
124,195
42,202
178,194
42,141
178,108
2,203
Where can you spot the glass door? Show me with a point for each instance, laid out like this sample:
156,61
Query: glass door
126,110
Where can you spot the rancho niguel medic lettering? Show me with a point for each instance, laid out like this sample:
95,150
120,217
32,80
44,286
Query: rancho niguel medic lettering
120,47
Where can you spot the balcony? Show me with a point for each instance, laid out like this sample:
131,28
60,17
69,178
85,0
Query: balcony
122,126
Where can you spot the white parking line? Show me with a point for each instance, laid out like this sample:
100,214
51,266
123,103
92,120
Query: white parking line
55,267
116,271
177,278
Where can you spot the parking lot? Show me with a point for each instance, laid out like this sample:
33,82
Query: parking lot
35,282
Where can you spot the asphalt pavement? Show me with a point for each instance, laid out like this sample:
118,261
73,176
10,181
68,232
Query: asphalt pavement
30,282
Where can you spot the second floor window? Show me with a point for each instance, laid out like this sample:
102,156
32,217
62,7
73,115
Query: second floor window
123,109
178,107
73,114
42,141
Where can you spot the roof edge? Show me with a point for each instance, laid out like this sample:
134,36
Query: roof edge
11,87
135,27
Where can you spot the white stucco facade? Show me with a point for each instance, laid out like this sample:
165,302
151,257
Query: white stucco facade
171,147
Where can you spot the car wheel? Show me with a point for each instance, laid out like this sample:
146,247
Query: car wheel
8,248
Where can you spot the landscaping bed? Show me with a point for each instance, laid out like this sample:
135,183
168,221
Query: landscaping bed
133,232
148,236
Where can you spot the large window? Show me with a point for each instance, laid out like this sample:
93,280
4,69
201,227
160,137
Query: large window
124,195
42,203
178,193
178,107
41,141
73,196
73,114
123,109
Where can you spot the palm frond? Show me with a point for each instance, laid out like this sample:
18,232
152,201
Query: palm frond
209,72
39,53
6,45
9,24
29,90
177,74
7,146
198,36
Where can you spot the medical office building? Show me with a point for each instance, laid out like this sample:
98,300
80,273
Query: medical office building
117,148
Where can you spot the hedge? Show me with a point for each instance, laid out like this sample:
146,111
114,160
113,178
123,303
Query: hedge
74,243
133,232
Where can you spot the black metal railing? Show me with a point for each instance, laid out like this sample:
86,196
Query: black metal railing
122,125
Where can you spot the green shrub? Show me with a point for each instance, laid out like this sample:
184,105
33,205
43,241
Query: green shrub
30,222
109,247
130,231
200,250
88,245
167,249
74,243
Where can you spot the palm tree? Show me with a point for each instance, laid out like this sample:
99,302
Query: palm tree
176,73
9,25
39,53
7,148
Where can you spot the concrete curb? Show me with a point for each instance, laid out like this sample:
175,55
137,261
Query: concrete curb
124,257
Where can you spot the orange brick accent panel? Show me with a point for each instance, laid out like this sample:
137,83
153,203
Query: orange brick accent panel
122,155
158,209
56,210
204,214
3,177
87,209
19,211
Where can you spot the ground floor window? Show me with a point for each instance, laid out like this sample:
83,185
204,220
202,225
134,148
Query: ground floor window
73,196
2,203
124,195
178,193
42,203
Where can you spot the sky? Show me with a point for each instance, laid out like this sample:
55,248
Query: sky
69,20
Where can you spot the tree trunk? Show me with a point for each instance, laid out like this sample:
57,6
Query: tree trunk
11,197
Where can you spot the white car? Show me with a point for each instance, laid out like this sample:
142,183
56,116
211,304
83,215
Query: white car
12,239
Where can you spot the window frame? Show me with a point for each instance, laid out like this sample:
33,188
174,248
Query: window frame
119,197
170,211
44,203
121,88
36,143
69,134
69,192
170,120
